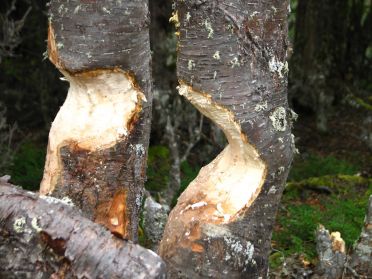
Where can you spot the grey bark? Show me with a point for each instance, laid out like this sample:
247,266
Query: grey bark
43,237
247,77
155,217
105,36
331,253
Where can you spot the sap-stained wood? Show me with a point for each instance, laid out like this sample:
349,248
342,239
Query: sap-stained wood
41,237
234,53
91,40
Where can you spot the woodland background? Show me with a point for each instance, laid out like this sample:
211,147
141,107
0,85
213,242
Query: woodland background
330,84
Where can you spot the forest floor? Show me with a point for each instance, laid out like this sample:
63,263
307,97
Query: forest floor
329,183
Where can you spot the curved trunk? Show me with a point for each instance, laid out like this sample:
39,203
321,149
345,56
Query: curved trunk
232,67
98,142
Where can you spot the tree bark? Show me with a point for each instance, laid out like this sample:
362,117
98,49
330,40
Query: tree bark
232,67
43,237
98,142
331,252
361,259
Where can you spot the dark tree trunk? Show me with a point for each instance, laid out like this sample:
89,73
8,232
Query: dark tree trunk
42,237
359,38
232,67
98,142
331,39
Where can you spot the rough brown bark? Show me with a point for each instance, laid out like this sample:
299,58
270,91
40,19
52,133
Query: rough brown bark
98,142
232,67
42,237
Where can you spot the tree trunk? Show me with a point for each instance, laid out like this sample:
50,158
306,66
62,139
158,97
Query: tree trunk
43,237
98,142
232,67
319,56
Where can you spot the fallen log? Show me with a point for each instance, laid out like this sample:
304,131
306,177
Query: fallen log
44,237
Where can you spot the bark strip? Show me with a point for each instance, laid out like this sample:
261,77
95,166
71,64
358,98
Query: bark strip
232,67
98,142
43,237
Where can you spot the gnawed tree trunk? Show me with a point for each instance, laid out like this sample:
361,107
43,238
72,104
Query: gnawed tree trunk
42,237
232,68
98,142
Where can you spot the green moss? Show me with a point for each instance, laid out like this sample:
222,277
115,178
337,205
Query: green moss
158,168
305,204
28,166
188,174
276,259
363,104
314,166
297,225
340,184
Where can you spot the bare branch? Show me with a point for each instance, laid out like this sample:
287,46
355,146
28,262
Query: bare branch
10,32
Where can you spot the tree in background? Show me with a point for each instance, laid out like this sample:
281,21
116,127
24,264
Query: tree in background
331,53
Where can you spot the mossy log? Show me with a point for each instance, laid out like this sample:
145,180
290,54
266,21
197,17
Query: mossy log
44,237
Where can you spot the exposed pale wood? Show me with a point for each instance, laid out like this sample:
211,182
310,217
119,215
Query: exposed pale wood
232,67
98,142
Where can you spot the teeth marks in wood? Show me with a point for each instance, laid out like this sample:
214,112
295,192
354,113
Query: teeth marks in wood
223,190
97,114
231,66
98,142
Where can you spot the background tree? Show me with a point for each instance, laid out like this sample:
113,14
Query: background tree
330,40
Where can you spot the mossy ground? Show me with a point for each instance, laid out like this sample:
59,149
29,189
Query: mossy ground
337,198
28,165
320,189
